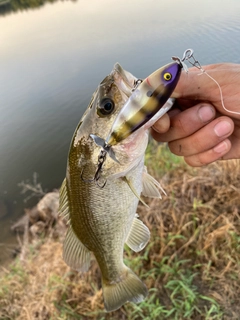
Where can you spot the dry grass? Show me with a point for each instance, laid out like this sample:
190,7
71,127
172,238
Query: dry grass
191,264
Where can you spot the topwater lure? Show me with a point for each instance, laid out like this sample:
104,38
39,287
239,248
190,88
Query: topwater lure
148,101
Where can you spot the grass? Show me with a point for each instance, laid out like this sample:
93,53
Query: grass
191,265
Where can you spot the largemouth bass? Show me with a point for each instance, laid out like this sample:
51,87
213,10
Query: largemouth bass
102,217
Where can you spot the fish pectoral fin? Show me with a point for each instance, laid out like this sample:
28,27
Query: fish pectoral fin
75,254
134,191
63,201
138,236
151,186
129,288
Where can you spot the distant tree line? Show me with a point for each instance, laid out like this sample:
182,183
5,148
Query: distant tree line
7,6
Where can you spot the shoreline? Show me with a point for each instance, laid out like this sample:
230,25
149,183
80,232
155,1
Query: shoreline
191,265
38,220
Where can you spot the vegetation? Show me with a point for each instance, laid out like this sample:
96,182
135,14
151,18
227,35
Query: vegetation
191,265
7,6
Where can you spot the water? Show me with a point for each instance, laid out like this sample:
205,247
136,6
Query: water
53,57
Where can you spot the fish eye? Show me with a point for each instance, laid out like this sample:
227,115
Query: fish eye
106,106
167,76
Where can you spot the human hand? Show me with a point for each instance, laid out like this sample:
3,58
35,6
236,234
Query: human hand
199,129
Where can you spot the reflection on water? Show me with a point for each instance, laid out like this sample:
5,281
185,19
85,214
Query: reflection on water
52,59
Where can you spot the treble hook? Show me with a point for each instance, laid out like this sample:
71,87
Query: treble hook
97,175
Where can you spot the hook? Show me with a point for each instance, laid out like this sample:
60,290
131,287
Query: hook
97,175
95,179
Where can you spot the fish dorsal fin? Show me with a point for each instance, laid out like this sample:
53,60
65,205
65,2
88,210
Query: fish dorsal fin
75,254
151,186
63,202
138,236
134,191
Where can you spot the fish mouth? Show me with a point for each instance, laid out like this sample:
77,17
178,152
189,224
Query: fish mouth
123,79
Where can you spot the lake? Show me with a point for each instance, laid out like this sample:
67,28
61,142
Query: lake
52,58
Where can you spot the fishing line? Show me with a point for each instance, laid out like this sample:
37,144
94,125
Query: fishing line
188,54
220,90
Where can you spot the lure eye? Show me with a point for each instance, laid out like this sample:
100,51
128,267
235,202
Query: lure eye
106,106
167,76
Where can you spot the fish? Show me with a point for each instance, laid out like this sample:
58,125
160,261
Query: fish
101,220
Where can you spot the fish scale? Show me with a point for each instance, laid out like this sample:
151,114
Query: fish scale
97,221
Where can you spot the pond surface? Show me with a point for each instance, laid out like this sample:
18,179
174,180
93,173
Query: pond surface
53,57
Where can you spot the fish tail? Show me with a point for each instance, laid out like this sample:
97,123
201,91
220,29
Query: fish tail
128,288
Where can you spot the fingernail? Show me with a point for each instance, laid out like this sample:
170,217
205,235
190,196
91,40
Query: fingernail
221,147
222,128
206,113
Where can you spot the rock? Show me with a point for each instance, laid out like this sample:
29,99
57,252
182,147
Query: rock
41,216
48,206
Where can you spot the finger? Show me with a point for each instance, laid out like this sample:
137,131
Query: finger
194,85
198,85
185,123
209,156
163,123
204,139
234,152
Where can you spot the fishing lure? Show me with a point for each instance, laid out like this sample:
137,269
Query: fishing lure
147,100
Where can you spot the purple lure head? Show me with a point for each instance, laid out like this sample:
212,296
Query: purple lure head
170,74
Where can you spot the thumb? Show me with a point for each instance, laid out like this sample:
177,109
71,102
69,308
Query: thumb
198,85
195,85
